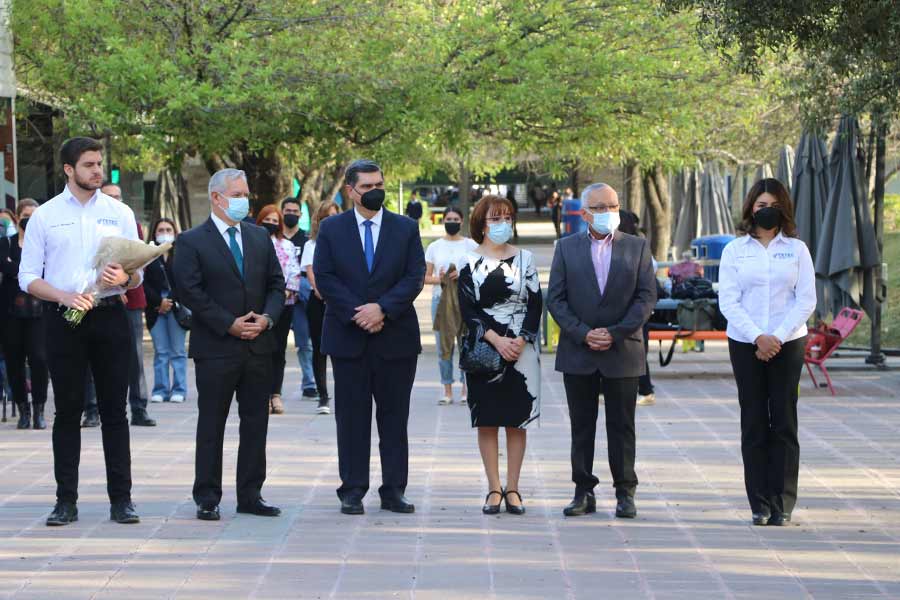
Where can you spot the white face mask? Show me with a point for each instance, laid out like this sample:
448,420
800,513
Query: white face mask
607,222
165,238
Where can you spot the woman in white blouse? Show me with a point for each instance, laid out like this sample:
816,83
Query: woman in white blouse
441,254
767,291
315,306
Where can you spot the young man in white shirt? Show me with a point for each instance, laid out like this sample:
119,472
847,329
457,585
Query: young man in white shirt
63,235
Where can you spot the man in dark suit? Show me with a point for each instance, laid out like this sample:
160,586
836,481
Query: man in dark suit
369,268
601,292
227,273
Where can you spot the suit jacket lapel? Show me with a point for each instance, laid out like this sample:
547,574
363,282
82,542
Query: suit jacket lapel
253,255
219,243
615,263
354,241
587,265
387,229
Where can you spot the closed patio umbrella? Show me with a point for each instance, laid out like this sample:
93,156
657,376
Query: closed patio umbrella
847,251
810,193
785,170
715,217
688,225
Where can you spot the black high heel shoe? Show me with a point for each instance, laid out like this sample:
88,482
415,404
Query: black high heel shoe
492,509
512,508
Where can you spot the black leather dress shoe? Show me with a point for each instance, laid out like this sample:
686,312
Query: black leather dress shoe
91,421
208,512
63,514
625,508
514,509
142,419
779,519
352,505
582,504
398,504
259,508
492,509
760,519
123,512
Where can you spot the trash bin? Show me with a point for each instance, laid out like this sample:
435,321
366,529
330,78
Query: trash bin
710,247
571,217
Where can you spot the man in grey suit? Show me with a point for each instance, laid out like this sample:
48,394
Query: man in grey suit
601,292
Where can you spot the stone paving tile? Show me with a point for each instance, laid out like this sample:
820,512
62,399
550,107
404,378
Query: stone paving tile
691,540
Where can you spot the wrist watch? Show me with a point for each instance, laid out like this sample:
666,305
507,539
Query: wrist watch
270,322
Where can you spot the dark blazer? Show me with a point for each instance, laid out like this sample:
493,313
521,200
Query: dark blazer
159,277
10,257
575,301
209,283
344,281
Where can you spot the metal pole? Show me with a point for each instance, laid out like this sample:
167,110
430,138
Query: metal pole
876,357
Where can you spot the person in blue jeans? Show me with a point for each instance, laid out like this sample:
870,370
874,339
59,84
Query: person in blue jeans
444,252
168,336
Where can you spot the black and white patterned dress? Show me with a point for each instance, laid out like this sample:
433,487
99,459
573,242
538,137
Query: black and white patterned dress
492,296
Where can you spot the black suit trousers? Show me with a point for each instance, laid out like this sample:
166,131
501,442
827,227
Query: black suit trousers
218,380
620,397
356,382
103,344
767,392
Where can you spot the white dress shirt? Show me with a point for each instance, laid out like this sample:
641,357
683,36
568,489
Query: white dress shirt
62,239
376,227
222,226
766,290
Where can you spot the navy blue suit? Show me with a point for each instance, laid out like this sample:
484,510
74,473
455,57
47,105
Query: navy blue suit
366,366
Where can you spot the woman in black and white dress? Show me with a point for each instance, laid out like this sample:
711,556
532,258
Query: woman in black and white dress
500,301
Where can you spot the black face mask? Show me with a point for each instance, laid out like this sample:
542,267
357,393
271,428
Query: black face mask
452,228
271,227
23,222
373,199
290,221
767,218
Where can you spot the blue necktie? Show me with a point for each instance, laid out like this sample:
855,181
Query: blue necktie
236,250
370,245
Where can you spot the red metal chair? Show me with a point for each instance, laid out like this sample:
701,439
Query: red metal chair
828,338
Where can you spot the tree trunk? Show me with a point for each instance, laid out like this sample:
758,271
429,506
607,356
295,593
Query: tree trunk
876,357
659,202
266,176
633,200
465,195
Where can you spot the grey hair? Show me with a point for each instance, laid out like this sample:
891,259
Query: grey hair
219,181
586,192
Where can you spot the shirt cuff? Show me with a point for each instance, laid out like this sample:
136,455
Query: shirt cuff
26,279
781,334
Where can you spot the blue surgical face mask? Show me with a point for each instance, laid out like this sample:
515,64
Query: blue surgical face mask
11,230
238,208
606,222
499,233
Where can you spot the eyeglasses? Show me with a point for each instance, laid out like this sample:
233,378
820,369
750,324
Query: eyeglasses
500,219
601,209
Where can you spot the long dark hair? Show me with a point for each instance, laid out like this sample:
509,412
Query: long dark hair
783,203
151,235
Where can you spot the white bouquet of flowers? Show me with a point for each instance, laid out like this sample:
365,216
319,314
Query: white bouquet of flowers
132,255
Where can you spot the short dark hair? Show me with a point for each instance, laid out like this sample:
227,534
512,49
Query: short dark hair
783,203
291,200
72,149
363,165
481,211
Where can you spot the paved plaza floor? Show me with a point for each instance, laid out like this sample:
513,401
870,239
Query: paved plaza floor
691,539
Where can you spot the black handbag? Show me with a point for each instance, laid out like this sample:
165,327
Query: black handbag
693,289
478,357
183,315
